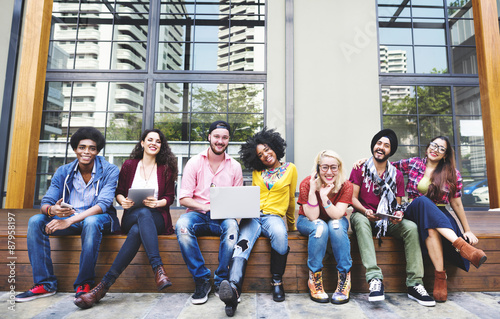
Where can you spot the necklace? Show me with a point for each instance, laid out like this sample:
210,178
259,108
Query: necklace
144,172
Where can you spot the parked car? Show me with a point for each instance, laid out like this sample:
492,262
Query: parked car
481,196
476,193
469,188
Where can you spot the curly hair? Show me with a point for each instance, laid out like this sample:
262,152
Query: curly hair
88,133
164,157
445,174
269,137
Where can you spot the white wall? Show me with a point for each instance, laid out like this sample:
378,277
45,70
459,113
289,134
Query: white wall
336,78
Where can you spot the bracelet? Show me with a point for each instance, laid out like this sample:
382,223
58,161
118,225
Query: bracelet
325,207
312,205
48,211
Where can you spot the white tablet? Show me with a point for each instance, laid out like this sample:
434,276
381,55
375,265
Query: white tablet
137,195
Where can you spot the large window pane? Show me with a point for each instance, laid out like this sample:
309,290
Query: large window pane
431,60
396,59
404,126
434,99
467,100
398,99
464,60
432,126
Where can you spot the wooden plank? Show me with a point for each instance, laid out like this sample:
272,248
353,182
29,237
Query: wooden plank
488,62
29,104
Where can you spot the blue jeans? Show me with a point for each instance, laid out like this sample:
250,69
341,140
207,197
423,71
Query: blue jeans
271,226
193,224
91,230
142,225
318,232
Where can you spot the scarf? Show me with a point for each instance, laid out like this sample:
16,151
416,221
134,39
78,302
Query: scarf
387,187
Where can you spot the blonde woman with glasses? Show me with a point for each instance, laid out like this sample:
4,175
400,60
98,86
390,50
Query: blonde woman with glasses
323,199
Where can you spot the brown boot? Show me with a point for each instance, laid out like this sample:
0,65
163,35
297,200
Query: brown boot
440,286
161,278
89,299
476,256
315,284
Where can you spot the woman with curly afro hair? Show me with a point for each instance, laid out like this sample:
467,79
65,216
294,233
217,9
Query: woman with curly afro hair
277,181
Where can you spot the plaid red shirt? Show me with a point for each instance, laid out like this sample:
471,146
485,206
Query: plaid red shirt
414,168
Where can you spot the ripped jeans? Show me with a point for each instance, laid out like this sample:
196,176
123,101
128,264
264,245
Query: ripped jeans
271,226
193,224
318,232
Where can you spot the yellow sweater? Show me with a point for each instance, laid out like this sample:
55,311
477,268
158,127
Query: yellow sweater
280,199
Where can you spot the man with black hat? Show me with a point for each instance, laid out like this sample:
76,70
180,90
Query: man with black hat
377,190
210,168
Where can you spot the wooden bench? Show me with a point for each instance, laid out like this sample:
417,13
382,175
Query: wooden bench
138,277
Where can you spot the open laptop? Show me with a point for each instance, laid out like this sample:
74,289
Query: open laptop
234,202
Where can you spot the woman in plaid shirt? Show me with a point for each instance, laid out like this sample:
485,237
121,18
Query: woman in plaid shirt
436,177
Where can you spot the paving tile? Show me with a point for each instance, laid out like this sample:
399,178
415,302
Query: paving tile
484,305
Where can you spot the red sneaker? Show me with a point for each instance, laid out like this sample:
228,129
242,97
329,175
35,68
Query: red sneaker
82,289
38,291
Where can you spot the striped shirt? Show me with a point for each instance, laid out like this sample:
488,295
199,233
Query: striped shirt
83,194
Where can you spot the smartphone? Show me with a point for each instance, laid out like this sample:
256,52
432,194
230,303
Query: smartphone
63,204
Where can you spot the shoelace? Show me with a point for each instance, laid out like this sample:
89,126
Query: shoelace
342,282
375,285
318,283
421,290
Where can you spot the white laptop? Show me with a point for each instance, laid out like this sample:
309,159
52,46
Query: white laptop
234,202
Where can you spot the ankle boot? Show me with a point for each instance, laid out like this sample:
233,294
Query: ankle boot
315,284
476,256
89,299
230,290
440,286
161,278
341,295
278,265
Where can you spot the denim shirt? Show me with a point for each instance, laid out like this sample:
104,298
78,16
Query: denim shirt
104,182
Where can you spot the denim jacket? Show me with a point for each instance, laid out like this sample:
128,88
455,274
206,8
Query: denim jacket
105,181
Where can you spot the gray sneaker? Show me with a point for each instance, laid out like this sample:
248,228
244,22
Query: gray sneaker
200,295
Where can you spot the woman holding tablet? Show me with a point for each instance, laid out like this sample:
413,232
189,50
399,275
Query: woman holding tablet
277,181
323,199
151,165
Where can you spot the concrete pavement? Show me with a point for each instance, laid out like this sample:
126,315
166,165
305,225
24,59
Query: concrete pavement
253,305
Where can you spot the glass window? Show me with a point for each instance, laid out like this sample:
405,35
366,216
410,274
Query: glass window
129,62
426,35
212,35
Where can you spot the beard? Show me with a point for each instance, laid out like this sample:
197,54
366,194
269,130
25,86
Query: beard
212,146
381,160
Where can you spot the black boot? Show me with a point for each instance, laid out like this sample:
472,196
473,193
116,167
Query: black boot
230,290
278,265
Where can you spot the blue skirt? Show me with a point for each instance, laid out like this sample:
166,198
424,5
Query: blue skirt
427,215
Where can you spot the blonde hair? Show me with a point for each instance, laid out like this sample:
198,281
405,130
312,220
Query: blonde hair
340,178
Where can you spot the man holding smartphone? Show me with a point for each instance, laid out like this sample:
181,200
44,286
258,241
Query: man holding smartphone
79,201
377,190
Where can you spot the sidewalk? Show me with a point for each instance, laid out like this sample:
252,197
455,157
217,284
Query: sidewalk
260,305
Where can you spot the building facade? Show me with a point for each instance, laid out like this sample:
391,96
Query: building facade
326,74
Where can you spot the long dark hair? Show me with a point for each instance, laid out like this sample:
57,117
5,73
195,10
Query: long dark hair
445,174
269,137
164,157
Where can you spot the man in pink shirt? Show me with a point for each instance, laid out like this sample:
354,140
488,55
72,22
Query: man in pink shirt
211,168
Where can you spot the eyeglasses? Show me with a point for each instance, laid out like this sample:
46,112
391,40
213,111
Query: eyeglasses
324,168
439,148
